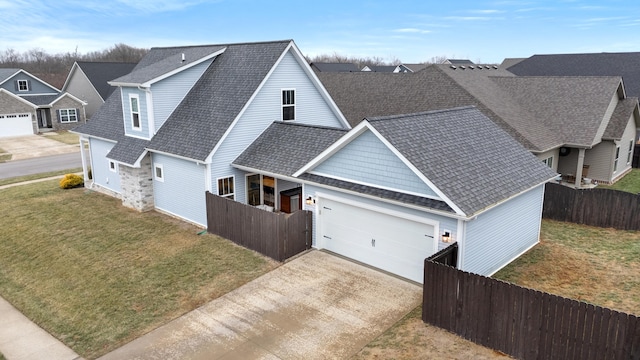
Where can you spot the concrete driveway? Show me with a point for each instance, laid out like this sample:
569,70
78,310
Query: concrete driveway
30,146
317,306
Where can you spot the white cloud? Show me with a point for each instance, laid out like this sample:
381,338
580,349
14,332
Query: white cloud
154,6
412,31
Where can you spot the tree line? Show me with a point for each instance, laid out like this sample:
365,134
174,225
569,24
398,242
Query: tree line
366,61
54,68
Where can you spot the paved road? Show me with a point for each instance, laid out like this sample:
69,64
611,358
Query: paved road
40,165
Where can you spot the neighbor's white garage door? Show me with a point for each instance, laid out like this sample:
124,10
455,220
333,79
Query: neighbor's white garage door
388,242
15,125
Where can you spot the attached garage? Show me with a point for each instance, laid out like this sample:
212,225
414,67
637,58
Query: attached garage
15,125
393,242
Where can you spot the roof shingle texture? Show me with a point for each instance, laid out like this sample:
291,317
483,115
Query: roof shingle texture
593,64
284,148
201,119
99,73
334,67
107,122
465,155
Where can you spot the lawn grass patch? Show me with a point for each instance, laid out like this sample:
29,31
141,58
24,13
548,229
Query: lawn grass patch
629,183
19,179
64,137
97,275
4,156
592,264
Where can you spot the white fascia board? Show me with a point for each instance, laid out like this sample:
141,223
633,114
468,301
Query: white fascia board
87,136
71,72
415,170
3,91
173,155
246,106
84,103
342,142
10,76
268,173
318,84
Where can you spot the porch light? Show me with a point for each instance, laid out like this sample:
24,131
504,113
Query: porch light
309,200
446,237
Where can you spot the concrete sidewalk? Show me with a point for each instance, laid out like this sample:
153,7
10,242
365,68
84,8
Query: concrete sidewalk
21,339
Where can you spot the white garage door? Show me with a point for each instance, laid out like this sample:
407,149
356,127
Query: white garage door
388,242
15,125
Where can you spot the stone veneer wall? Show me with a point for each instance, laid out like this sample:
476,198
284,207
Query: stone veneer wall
136,185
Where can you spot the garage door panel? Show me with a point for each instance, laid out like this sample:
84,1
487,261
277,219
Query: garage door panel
392,243
15,125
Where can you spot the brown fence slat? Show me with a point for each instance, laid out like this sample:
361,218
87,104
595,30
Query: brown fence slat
278,236
524,323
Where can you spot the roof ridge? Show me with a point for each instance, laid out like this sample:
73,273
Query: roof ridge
224,44
429,112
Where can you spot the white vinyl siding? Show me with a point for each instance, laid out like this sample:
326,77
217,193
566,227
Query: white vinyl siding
266,108
169,92
366,160
100,165
497,236
182,191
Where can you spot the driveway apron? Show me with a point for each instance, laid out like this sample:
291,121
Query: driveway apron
317,306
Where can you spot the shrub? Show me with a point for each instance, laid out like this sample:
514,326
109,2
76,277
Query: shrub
70,181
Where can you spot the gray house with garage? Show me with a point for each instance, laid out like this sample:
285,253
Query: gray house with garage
252,122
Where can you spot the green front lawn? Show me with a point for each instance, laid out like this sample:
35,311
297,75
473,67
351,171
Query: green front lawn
629,183
97,275
64,137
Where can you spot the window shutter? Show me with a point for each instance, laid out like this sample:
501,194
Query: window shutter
15,82
58,114
77,114
29,85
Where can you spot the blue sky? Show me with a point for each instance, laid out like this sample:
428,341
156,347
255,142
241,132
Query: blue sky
411,31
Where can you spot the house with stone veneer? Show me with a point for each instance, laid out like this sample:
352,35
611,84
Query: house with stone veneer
29,105
251,122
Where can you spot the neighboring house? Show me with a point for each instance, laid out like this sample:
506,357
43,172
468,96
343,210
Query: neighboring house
88,81
379,68
410,67
582,127
251,122
395,190
29,105
509,62
333,67
458,62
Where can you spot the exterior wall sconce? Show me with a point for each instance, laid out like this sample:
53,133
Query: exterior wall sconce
446,237
309,200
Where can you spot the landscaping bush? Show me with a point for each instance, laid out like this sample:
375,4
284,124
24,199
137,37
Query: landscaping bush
70,181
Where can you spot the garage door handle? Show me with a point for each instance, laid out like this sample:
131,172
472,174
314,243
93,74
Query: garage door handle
326,237
373,242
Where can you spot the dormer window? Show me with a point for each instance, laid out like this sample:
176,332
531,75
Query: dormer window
22,85
288,105
135,112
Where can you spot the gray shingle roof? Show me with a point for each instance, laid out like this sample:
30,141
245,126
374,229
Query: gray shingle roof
198,123
41,99
284,148
107,122
620,118
381,193
172,60
593,64
128,150
6,73
452,150
99,73
382,68
334,67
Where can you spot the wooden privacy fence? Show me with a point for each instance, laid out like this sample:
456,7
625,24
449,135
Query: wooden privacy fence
446,256
595,207
276,235
524,323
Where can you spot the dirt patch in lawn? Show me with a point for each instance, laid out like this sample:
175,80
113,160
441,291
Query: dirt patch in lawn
411,338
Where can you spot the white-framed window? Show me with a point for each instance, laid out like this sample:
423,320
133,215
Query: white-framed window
226,187
158,172
548,161
134,103
23,85
113,166
615,160
68,115
630,152
288,104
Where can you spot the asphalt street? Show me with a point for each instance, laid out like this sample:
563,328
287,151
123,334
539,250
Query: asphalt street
40,165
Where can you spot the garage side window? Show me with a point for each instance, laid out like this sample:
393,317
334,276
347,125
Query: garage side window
68,115
226,188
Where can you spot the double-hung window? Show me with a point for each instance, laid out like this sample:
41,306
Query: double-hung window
226,188
23,85
615,161
548,161
68,115
288,104
135,111
630,152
